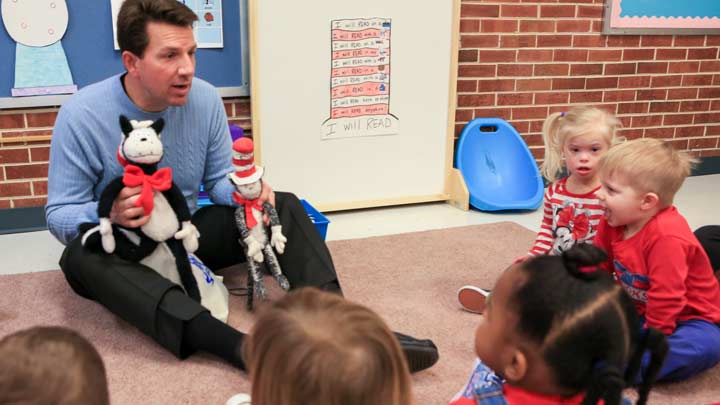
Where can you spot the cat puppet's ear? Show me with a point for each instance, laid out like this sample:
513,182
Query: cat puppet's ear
125,125
158,126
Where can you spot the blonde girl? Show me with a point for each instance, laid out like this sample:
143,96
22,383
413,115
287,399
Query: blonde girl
574,143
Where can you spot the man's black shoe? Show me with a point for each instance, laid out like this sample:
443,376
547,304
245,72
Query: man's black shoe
419,353
332,287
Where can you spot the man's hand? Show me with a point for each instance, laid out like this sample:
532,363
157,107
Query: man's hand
268,195
125,213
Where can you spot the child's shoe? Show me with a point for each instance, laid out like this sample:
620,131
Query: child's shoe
472,299
239,399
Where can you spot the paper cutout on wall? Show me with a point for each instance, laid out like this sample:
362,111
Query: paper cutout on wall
208,29
209,26
360,79
37,26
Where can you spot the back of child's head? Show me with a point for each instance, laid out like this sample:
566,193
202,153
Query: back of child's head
649,166
316,347
585,325
561,127
51,365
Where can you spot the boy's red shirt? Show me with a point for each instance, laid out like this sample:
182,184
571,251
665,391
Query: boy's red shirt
664,269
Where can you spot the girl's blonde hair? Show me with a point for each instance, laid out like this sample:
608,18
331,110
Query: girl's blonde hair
560,128
313,347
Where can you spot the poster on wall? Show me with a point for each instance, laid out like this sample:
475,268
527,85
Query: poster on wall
360,79
208,28
662,17
37,27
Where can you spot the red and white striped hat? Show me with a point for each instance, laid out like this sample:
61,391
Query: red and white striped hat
244,162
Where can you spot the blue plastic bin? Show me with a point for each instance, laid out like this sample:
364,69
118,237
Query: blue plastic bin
497,166
318,219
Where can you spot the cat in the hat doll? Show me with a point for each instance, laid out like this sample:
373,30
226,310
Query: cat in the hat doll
164,242
258,245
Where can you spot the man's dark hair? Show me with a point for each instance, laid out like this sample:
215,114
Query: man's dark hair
134,16
51,365
585,325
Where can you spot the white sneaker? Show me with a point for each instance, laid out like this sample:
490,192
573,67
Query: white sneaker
472,299
239,399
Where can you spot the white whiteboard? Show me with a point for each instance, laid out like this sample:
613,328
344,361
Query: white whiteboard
295,95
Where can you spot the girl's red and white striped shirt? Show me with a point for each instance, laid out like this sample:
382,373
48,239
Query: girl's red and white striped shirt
568,219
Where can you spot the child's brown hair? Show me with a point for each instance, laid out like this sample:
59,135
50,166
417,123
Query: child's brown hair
51,365
316,347
649,166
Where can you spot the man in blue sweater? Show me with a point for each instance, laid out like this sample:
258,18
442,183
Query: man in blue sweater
158,52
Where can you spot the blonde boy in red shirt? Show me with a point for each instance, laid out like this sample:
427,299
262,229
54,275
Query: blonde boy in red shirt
654,255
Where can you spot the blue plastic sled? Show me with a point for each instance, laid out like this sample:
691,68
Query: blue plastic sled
497,166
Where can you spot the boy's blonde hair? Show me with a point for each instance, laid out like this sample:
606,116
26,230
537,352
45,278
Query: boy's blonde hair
559,128
649,166
313,347
51,365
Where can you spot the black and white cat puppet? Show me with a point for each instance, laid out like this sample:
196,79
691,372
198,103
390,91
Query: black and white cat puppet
164,241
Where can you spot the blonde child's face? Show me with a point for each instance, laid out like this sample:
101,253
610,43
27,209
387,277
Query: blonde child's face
622,202
582,154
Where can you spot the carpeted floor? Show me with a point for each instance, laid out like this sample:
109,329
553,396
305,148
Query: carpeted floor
410,279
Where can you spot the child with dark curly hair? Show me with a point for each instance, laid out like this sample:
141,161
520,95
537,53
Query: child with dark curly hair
558,330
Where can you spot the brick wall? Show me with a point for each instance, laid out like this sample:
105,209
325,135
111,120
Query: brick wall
24,164
519,60
523,59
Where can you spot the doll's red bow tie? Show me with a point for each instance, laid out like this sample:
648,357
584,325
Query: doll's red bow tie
249,205
161,180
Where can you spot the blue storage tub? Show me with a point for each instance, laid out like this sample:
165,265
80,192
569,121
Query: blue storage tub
497,166
318,219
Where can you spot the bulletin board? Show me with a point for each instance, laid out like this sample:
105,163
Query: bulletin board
353,102
89,46
662,17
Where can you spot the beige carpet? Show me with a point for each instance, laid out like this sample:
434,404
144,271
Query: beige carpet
410,279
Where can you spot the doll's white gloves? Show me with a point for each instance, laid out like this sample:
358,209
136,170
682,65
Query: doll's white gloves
254,249
278,239
189,235
106,235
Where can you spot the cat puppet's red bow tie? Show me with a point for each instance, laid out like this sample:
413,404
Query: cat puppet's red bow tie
249,205
161,180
